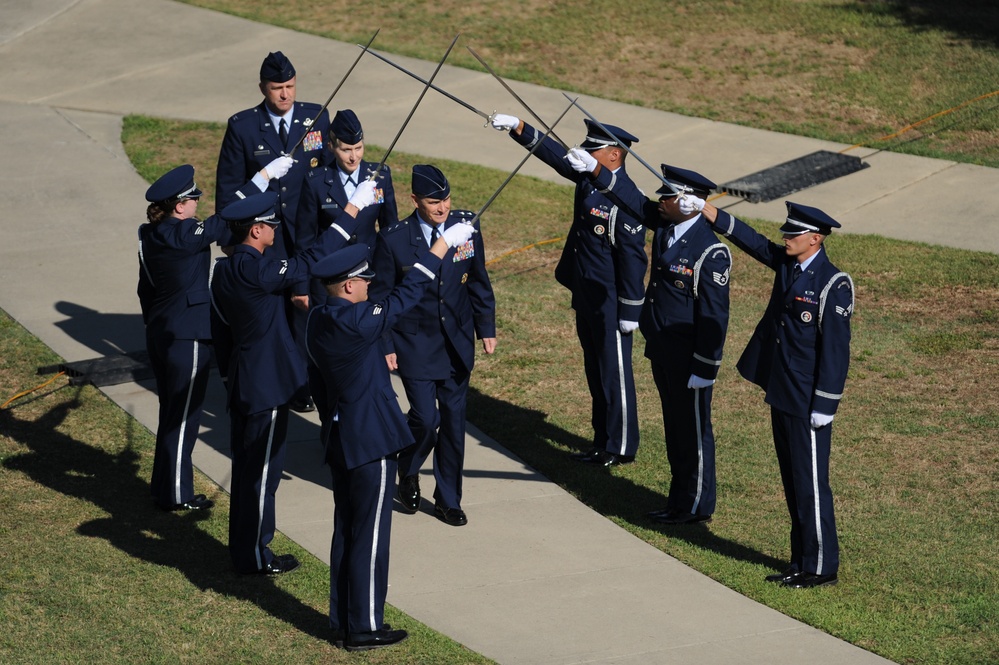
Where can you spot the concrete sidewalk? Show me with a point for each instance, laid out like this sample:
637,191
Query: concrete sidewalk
535,577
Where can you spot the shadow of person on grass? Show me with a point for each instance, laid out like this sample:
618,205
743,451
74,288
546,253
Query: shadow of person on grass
113,483
534,440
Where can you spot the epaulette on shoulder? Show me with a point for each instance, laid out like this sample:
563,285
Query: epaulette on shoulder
463,214
243,115
317,172
400,224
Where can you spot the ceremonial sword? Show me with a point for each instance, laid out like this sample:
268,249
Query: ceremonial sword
621,143
335,90
447,94
516,96
426,87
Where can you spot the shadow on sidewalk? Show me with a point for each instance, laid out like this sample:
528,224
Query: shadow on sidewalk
112,482
530,437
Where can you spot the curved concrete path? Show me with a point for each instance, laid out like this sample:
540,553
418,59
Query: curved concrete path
536,577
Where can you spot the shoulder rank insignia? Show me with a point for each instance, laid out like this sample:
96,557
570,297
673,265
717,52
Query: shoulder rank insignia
376,310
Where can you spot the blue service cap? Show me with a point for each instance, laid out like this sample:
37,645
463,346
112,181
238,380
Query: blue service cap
277,68
343,264
597,138
805,219
429,182
684,180
175,184
252,209
346,127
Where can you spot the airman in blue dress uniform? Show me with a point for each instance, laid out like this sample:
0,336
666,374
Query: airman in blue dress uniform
247,291
364,429
254,137
173,290
433,346
603,265
684,321
799,354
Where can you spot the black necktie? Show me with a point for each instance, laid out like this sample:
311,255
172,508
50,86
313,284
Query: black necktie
796,273
434,235
284,134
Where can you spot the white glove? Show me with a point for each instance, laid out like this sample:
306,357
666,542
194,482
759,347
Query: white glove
820,420
364,195
581,161
279,167
458,234
690,204
504,122
627,327
697,382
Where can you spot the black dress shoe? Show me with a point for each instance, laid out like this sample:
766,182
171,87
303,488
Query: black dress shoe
676,518
452,516
409,494
302,405
659,512
197,502
811,580
784,577
599,457
280,564
374,640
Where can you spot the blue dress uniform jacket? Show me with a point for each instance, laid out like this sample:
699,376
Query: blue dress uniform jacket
684,322
323,199
800,351
437,337
173,290
799,354
344,342
251,142
247,289
603,265
434,345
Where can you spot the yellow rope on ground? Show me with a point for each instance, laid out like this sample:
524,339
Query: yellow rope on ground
31,390
522,249
932,117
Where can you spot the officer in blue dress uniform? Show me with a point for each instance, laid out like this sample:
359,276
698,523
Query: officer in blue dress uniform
433,346
325,193
603,266
364,429
173,290
799,354
256,136
247,291
684,321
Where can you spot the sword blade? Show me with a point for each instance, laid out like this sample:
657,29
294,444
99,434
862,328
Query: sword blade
516,96
522,162
631,152
424,81
415,106
335,90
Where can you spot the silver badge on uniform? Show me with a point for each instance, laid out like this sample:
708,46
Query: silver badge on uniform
806,317
599,229
678,283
